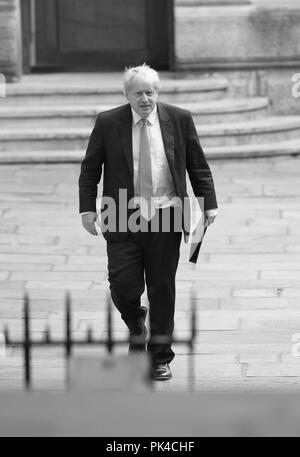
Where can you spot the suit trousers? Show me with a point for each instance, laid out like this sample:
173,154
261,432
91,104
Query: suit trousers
147,258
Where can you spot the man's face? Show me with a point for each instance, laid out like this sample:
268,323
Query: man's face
142,96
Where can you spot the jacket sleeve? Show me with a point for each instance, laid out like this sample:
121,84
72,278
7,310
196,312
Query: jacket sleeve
198,169
91,169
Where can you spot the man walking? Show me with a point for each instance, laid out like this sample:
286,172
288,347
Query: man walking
145,148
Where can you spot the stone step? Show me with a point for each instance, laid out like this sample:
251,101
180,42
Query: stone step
226,110
259,131
279,148
231,152
271,129
173,91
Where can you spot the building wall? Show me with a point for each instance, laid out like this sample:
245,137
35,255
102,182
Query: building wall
236,36
10,41
255,44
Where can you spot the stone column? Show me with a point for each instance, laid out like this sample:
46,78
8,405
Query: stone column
10,39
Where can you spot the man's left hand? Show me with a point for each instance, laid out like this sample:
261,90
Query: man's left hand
210,215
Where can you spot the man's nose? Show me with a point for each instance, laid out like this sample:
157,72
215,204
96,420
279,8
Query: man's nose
144,97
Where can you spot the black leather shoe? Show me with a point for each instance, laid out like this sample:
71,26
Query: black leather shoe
161,372
138,333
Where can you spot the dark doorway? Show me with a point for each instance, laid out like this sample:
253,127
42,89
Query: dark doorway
87,35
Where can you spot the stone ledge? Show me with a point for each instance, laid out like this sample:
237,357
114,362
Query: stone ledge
257,35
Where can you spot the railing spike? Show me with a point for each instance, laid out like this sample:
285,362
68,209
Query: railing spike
68,342
89,335
193,330
68,324
27,342
6,335
109,323
47,335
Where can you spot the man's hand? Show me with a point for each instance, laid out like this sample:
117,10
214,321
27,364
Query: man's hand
88,221
210,216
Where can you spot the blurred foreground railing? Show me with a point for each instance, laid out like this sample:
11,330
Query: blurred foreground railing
68,342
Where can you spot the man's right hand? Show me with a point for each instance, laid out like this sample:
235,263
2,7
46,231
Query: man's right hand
88,221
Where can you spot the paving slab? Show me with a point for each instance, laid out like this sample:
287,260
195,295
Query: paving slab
245,286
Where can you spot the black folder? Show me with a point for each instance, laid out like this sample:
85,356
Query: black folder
195,248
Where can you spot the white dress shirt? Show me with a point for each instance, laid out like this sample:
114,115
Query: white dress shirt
164,193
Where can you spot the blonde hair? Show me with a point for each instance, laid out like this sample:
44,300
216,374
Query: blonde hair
143,71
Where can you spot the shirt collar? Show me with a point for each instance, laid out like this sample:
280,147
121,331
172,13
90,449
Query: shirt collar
151,118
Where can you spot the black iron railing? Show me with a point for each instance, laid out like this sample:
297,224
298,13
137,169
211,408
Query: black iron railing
68,342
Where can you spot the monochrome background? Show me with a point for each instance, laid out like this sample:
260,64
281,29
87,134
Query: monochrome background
235,64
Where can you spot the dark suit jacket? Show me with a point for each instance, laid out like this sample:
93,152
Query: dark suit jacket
110,145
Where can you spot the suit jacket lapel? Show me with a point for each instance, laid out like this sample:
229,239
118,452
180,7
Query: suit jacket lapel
125,130
167,130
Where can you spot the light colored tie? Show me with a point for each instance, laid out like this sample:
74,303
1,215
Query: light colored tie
145,173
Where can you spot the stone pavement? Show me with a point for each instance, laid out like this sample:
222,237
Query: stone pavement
247,279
